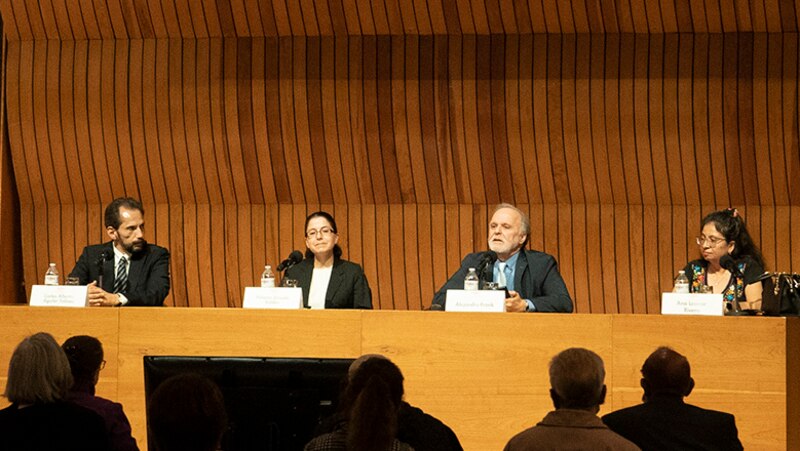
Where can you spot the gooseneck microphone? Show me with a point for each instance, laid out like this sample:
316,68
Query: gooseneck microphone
727,262
101,263
487,259
294,258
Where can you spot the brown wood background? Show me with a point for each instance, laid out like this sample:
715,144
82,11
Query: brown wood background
616,124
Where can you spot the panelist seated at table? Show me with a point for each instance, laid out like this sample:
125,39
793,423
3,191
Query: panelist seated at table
133,272
531,277
328,281
724,233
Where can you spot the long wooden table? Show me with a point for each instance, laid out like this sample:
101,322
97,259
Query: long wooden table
485,375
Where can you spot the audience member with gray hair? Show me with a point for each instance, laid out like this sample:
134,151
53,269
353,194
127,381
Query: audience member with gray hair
577,390
39,417
664,421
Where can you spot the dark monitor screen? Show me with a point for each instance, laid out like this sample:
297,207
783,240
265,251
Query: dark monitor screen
271,403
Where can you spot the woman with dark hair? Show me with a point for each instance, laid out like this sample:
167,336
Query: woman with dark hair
39,418
370,404
327,280
85,355
724,233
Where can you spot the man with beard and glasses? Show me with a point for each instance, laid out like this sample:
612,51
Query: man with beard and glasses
531,277
127,270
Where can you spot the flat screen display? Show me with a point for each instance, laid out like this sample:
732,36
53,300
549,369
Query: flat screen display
272,403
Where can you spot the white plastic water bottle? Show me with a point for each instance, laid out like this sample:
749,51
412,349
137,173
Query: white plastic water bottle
681,283
471,281
51,276
267,277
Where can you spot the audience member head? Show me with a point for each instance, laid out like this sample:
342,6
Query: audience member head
730,224
372,399
38,372
85,355
576,380
187,413
666,372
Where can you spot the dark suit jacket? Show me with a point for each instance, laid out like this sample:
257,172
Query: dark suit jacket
148,278
536,278
668,423
348,287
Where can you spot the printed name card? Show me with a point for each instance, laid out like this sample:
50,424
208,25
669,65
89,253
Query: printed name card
58,296
475,301
273,298
709,304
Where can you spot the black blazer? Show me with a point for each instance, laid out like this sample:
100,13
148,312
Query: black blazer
348,287
536,277
668,423
148,277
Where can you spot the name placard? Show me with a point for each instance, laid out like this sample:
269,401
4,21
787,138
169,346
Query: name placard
58,296
273,298
709,304
475,301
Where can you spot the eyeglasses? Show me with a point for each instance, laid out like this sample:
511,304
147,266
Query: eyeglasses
325,231
711,240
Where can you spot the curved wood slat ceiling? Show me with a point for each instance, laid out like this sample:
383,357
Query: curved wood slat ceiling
199,19
407,134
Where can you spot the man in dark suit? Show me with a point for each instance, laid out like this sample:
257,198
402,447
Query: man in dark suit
665,421
531,277
127,270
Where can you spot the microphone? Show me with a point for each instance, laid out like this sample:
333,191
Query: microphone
487,259
101,262
727,262
294,258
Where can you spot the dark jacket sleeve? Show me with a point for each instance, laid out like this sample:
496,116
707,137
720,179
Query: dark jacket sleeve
156,286
362,295
83,269
456,281
551,295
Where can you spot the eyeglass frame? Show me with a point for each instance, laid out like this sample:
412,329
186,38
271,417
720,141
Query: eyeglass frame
712,240
324,231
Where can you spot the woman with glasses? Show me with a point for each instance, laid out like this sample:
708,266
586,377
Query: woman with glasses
724,233
327,280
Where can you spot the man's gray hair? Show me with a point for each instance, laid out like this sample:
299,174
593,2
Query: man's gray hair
576,375
526,222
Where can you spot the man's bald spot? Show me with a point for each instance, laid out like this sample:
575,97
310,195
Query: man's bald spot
667,371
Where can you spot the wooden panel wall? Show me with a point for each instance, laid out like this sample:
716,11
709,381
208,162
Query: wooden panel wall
617,125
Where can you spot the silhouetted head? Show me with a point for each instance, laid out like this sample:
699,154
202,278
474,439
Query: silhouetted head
666,372
187,413
85,355
576,380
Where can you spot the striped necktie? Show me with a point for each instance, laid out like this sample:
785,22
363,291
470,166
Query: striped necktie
121,279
